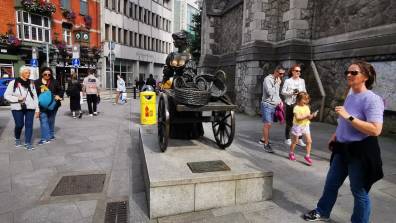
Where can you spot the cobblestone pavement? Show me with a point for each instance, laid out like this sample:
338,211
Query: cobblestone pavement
107,144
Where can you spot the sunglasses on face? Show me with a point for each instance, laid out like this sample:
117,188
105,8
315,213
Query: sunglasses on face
46,74
298,71
281,73
353,72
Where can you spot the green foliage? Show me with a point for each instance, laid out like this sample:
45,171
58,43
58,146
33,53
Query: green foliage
195,37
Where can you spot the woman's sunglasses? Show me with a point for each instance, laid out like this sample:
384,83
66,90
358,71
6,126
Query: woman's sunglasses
46,74
353,73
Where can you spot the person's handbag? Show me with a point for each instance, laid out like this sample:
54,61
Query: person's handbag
98,100
280,113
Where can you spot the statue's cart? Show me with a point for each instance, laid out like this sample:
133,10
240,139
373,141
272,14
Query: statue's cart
221,116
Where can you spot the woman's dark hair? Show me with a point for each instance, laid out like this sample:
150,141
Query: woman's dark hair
367,70
290,72
301,96
42,70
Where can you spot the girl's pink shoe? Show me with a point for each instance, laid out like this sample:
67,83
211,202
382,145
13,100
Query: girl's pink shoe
292,157
308,160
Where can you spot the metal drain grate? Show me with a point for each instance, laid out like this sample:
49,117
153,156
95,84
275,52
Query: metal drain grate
116,212
79,184
208,166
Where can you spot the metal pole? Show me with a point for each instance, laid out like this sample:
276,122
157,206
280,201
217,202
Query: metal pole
46,46
111,77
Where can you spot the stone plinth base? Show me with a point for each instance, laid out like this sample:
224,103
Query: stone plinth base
172,188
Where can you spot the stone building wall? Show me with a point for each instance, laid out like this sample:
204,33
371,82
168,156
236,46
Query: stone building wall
228,31
328,33
342,16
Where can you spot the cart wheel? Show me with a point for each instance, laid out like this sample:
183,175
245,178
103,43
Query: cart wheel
223,127
163,121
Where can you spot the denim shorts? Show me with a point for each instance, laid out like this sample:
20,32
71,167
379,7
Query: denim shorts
268,112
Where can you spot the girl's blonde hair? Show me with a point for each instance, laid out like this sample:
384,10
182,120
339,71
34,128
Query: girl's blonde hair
302,95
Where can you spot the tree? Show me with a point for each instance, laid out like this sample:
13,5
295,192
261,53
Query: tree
195,37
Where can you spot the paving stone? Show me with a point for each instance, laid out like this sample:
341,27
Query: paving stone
5,184
48,161
87,208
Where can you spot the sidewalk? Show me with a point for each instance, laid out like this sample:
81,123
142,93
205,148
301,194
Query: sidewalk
107,144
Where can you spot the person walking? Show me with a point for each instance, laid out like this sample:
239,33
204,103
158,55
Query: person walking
91,89
74,90
151,81
46,82
302,115
22,95
354,146
292,86
269,101
121,88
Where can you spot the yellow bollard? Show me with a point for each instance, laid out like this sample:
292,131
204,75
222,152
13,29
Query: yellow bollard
147,108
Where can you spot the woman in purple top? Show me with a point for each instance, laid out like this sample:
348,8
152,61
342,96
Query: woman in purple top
354,146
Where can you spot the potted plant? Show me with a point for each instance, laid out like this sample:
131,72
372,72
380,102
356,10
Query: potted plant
39,7
9,40
69,14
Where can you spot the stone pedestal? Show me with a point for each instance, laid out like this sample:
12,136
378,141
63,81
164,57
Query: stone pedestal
172,188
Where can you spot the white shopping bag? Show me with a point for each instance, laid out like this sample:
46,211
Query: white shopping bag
81,98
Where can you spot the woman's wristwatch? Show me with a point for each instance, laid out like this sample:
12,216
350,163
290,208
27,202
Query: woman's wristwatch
351,118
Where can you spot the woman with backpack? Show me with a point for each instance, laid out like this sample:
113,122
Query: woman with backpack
21,93
49,95
74,90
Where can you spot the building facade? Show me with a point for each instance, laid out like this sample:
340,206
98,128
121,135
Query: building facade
183,14
247,38
52,27
141,31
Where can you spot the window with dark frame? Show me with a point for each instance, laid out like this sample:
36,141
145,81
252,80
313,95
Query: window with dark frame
107,32
114,34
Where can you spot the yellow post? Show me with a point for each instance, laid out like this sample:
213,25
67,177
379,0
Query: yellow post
147,108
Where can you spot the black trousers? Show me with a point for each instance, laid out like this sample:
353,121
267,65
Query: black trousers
92,100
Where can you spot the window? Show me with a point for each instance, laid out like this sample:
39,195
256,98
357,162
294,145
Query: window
153,19
144,15
140,13
83,7
136,40
107,3
119,5
136,14
114,34
140,41
153,44
119,35
125,7
126,37
65,4
130,38
131,9
67,36
107,32
113,4
32,27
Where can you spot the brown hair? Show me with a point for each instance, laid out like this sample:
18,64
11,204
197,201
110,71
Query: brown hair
367,70
290,72
74,76
302,95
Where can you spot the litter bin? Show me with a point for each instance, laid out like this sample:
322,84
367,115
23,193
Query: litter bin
147,108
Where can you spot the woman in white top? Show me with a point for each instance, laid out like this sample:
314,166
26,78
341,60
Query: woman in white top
22,95
292,86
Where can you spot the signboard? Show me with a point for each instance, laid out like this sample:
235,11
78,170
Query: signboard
34,62
76,62
76,51
111,45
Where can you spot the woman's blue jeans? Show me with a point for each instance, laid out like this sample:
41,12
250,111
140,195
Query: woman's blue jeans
23,118
338,171
47,124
